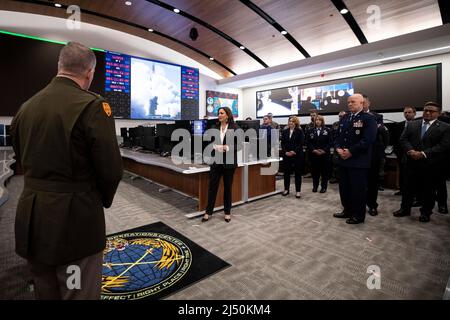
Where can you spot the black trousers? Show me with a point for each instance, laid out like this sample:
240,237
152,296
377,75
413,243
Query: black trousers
293,164
353,191
216,172
320,168
373,183
441,191
421,179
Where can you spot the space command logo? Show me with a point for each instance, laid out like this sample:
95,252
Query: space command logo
139,265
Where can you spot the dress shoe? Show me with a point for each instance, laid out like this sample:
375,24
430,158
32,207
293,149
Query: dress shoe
424,218
323,190
373,211
443,210
314,190
227,219
285,193
417,204
402,213
398,193
205,218
297,195
341,215
380,189
353,220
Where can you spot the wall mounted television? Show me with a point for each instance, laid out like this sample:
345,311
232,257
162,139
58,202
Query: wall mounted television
215,100
136,88
388,91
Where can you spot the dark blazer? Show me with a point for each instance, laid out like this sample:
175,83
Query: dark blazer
358,136
435,143
294,143
322,141
228,162
66,142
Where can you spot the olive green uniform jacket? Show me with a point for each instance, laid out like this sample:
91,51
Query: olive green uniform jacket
65,139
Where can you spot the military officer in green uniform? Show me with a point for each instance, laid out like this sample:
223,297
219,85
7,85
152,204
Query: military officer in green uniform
64,137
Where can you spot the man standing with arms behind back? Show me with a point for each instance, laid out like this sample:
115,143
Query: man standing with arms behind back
354,147
64,137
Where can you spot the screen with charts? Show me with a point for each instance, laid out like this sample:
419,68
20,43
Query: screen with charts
140,88
215,100
136,88
388,91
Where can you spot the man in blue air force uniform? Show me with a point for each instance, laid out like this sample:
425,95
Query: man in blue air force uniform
353,144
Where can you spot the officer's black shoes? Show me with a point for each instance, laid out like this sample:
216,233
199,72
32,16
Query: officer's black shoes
285,193
353,220
314,190
417,204
323,190
402,213
373,211
398,193
443,210
424,218
341,215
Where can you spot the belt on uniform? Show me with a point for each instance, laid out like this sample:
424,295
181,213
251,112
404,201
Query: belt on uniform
58,186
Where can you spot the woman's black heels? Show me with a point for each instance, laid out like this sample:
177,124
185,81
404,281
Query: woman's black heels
228,219
205,219
285,193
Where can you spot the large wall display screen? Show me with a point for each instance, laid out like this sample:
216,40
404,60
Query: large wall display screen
145,89
136,88
215,100
388,91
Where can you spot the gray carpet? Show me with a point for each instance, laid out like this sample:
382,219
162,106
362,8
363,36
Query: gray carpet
279,247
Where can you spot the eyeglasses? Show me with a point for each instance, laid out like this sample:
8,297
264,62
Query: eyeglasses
430,111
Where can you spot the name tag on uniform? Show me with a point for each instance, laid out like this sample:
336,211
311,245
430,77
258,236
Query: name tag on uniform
358,124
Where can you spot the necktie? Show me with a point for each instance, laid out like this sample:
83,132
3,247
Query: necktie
424,128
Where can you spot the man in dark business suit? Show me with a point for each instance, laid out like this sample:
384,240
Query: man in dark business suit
409,113
426,143
354,147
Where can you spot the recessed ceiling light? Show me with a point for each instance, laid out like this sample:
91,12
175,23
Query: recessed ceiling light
128,3
242,47
176,10
211,58
58,5
283,32
344,11
150,29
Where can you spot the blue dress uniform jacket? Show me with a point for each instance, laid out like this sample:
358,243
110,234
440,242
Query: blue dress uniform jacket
358,136
65,139
322,141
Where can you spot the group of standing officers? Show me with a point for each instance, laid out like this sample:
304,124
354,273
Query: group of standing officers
359,140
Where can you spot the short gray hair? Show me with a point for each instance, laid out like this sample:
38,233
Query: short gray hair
76,58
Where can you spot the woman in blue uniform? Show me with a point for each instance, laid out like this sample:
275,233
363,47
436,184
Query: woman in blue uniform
318,142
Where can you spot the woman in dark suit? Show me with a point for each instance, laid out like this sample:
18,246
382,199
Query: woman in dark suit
292,139
224,168
318,142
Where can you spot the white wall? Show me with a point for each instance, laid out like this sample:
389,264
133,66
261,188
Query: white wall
249,94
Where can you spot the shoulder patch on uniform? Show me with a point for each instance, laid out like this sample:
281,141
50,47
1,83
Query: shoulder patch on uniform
107,108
